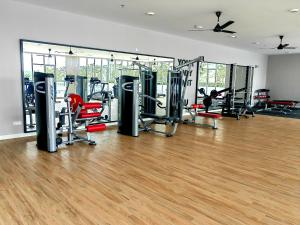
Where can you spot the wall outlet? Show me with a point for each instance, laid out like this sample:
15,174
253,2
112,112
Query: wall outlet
17,123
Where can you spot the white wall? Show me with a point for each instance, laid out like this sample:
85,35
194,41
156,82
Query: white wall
18,20
283,78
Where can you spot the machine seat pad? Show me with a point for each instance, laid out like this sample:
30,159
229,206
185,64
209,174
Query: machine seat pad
96,127
210,115
91,105
85,115
197,106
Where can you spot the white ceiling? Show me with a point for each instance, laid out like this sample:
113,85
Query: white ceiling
255,20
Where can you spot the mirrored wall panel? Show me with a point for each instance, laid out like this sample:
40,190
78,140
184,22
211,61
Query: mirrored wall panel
229,80
91,73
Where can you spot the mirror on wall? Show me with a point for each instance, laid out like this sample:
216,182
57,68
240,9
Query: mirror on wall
213,76
231,78
92,73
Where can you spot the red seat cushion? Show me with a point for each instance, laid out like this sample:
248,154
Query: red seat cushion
91,105
96,127
210,115
76,100
85,115
197,106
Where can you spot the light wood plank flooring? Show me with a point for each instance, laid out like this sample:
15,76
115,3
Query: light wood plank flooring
247,172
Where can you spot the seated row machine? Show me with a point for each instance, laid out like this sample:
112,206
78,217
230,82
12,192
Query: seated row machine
78,113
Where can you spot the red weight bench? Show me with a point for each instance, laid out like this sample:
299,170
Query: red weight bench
194,112
214,116
282,106
85,114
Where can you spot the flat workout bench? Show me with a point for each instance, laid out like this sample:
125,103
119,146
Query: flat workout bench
214,116
283,106
193,110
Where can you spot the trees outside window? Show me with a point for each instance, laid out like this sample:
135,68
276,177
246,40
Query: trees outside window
212,76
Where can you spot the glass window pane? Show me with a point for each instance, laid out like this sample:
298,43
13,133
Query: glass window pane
203,74
60,72
27,66
49,60
211,76
50,69
119,66
105,70
38,59
38,68
125,64
98,69
83,67
90,67
211,65
221,76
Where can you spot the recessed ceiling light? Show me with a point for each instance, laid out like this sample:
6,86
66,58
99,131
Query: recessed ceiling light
150,13
122,6
294,10
198,27
233,36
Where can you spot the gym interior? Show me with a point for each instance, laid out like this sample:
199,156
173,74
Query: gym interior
150,112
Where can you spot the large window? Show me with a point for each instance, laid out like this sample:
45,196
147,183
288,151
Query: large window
212,76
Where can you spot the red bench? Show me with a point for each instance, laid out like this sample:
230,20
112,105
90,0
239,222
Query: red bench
282,106
194,111
282,103
214,116
197,106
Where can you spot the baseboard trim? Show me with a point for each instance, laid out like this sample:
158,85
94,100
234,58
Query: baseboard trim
13,136
32,134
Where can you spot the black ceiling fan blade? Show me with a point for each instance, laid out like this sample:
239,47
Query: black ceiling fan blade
227,24
285,45
228,31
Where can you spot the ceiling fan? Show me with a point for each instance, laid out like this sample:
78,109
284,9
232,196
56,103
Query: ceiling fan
70,52
282,46
218,28
48,55
137,58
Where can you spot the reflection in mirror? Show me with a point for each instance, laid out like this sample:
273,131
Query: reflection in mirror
89,72
213,76
216,76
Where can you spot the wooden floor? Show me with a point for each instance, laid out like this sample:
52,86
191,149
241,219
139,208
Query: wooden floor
247,172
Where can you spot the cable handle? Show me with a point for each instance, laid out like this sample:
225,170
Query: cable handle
149,76
151,98
127,89
36,87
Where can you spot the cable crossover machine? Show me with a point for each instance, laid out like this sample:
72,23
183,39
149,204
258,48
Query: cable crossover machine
138,100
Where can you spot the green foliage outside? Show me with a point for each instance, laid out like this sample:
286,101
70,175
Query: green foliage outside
219,75
110,71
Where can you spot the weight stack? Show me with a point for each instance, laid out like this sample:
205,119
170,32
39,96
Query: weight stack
45,111
128,106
